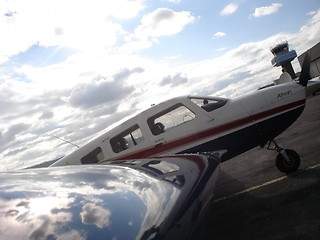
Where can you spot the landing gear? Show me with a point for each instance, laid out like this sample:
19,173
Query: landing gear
287,161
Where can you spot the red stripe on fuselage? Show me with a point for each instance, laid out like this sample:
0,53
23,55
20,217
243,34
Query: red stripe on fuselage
213,131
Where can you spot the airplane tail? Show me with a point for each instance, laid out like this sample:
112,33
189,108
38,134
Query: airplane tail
304,75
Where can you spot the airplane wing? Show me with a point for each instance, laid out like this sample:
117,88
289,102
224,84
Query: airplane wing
313,86
135,199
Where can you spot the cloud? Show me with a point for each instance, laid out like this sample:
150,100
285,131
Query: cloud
307,36
221,49
83,25
174,1
267,10
7,136
19,99
174,80
47,115
103,91
163,22
219,35
229,9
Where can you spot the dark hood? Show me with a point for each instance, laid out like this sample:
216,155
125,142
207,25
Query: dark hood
136,199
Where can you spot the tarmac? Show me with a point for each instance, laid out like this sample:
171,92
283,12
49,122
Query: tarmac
253,200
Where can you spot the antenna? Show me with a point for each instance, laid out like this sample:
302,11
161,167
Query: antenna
64,140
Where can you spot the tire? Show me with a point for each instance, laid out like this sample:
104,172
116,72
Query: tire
288,167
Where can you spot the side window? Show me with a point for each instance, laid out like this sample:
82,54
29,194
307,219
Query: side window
170,118
93,157
127,139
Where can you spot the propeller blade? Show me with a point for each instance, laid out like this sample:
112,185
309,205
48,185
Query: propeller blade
304,75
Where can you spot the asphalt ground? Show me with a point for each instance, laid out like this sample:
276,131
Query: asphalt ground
253,200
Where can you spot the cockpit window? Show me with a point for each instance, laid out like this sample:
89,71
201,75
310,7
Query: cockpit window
170,118
209,104
127,139
162,166
94,156
166,170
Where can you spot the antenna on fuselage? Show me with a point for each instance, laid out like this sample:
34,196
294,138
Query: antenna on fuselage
66,141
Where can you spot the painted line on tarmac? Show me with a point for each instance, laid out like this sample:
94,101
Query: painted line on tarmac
264,184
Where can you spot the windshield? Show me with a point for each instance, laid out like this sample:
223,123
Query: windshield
209,104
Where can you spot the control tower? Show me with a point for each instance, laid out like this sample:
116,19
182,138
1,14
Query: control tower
283,57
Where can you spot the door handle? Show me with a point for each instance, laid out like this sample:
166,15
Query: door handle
159,144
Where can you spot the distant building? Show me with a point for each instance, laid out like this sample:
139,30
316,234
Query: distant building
283,57
314,54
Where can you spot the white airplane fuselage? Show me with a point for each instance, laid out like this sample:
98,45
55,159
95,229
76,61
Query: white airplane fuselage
194,124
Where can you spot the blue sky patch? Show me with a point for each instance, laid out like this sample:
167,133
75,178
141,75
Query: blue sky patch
40,56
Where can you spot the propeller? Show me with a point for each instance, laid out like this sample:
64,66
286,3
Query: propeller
304,75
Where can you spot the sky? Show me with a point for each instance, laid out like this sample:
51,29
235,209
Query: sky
73,69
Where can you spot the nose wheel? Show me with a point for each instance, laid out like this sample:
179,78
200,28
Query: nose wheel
287,160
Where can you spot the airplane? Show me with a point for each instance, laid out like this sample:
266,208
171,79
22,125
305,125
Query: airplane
201,124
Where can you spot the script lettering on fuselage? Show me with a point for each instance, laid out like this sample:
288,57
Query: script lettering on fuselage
284,94
160,140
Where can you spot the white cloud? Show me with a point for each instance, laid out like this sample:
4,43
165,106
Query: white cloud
229,9
267,10
174,1
163,22
175,80
221,49
159,23
84,25
219,35
11,134
92,94
307,36
311,13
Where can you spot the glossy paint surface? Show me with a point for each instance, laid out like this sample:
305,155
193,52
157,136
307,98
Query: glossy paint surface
136,199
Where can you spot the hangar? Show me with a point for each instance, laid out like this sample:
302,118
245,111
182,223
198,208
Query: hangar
314,54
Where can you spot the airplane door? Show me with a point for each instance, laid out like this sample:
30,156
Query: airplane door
171,126
251,133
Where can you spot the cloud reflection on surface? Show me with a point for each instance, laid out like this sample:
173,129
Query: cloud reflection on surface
81,203
92,214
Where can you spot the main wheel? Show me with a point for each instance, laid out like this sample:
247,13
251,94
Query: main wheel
288,166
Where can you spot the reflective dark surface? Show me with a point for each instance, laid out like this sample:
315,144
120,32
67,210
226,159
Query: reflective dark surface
141,199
